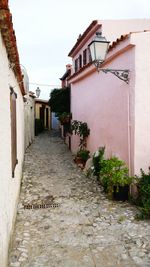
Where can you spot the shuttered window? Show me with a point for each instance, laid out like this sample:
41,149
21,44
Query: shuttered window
76,64
85,57
90,58
80,61
13,97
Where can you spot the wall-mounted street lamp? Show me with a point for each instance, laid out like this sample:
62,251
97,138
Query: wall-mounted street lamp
37,91
24,75
98,49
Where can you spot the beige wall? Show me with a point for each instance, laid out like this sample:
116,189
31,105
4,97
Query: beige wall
9,187
29,108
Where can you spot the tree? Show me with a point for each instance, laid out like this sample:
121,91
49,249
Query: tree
60,100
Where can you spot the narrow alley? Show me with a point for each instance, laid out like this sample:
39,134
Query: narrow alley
64,219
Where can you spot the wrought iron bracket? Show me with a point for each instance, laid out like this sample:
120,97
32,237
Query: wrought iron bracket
121,74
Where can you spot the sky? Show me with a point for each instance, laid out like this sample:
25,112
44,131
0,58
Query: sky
46,31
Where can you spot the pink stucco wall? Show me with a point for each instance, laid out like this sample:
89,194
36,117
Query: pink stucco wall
142,101
102,100
118,114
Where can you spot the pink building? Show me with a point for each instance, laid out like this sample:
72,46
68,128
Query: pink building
64,78
117,113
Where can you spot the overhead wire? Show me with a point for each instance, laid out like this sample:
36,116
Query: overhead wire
40,84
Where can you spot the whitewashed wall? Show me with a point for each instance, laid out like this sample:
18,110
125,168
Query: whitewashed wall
9,187
29,110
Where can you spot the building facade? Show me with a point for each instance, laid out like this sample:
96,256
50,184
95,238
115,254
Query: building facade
117,113
42,112
29,118
11,129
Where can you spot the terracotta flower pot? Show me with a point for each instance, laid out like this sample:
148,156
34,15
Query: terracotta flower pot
80,162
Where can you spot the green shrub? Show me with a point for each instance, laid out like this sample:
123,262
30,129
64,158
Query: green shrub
143,199
113,172
60,100
83,154
97,160
64,117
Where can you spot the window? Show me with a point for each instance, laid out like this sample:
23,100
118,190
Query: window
80,61
85,57
13,97
76,64
90,58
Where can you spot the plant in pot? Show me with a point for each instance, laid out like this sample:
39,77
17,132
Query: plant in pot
64,117
97,158
81,157
81,129
115,179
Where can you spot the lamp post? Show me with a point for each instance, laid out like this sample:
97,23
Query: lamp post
38,91
99,49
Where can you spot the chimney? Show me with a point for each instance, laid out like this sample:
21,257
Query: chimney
68,67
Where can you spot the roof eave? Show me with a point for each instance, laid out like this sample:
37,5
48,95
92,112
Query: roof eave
81,38
9,38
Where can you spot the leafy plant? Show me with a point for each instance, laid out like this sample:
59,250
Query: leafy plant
97,160
113,172
81,129
83,154
64,117
60,100
143,199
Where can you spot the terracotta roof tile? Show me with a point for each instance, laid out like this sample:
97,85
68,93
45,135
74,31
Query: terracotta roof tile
124,37
118,40
9,38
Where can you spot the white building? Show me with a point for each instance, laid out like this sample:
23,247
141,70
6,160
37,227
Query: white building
29,116
11,129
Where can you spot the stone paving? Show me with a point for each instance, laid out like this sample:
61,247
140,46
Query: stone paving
84,229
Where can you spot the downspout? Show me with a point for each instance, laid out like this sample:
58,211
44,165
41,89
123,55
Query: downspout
129,133
131,127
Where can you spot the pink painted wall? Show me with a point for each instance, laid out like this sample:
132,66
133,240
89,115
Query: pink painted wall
102,100
142,101
118,114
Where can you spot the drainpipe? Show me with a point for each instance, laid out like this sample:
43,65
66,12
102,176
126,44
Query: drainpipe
129,132
130,129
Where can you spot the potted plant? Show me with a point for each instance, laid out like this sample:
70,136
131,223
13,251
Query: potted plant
115,179
64,117
97,158
81,157
81,129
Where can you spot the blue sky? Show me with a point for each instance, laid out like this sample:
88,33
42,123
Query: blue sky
46,30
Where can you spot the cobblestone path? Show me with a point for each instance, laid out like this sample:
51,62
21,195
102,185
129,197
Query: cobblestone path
84,229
